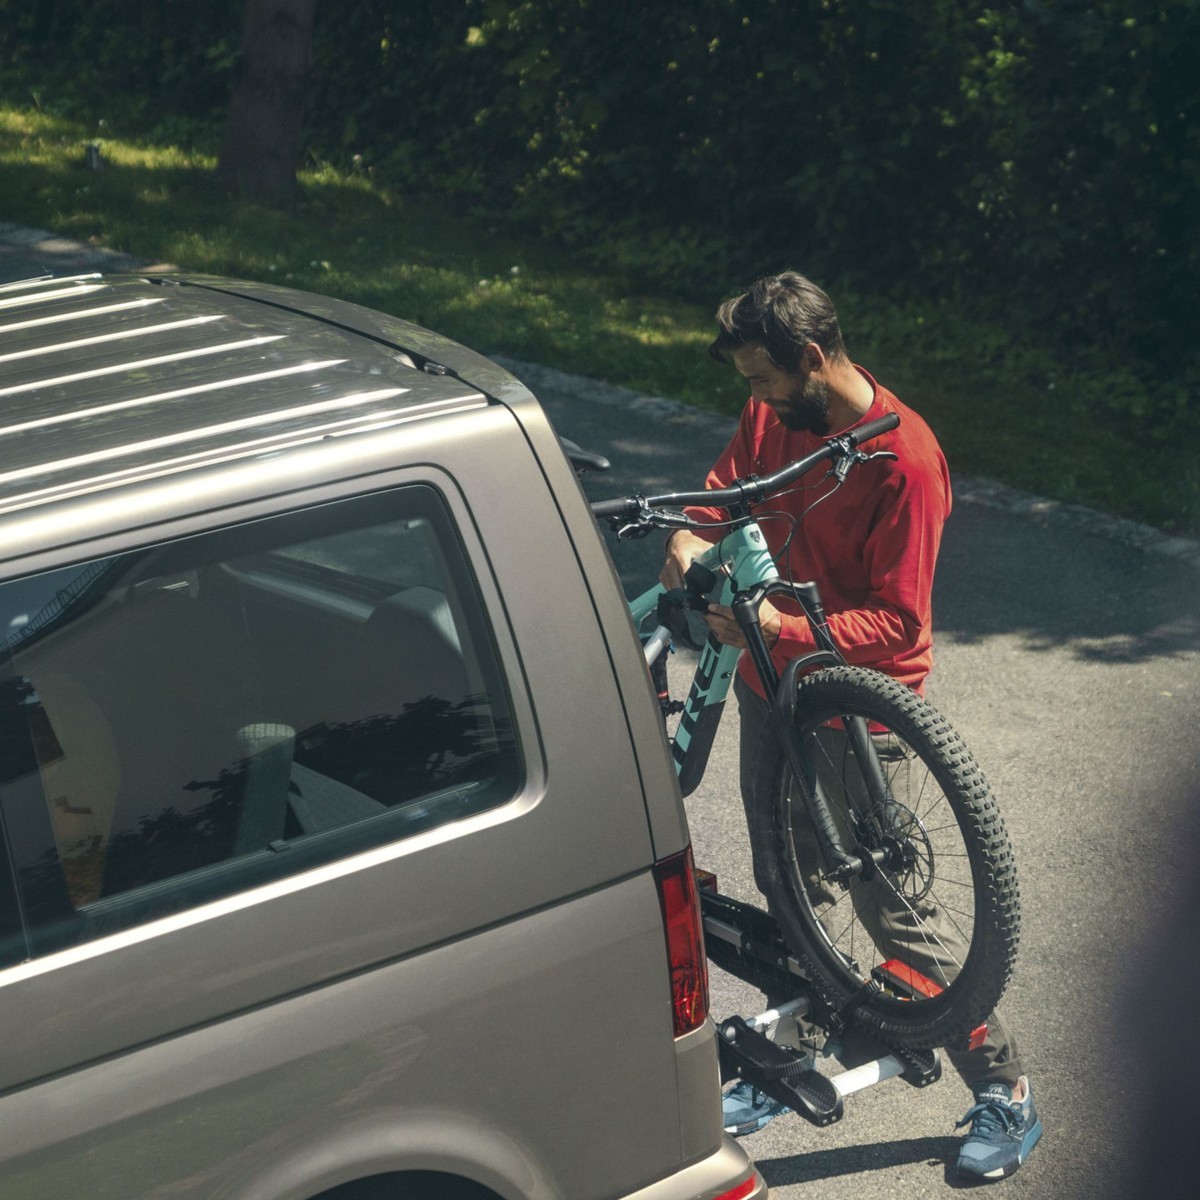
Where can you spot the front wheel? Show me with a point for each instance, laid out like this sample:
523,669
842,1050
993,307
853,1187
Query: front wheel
933,920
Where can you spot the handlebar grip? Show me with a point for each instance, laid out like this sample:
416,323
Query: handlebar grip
872,429
623,506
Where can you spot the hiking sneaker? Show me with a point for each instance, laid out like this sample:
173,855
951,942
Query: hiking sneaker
745,1109
1003,1132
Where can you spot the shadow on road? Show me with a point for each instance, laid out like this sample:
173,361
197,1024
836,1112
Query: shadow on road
1103,601
814,1165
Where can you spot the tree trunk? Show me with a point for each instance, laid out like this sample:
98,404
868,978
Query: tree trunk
261,145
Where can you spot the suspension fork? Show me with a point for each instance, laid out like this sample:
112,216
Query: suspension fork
802,761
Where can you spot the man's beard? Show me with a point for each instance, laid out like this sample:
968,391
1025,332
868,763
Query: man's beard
807,408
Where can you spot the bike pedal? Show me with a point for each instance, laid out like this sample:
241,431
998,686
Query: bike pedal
779,1071
814,1097
921,1067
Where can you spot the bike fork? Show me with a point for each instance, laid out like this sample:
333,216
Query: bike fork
800,757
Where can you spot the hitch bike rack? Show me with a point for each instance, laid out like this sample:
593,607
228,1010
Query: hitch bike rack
748,944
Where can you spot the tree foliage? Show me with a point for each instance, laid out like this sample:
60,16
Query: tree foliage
1043,153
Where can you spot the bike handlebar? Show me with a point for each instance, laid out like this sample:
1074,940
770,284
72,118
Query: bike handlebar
752,489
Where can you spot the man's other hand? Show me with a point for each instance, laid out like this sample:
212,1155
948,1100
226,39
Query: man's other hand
682,548
722,623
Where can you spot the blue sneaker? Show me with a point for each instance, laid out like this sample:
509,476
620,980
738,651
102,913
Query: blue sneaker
1003,1132
747,1110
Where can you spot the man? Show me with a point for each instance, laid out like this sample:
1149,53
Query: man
872,554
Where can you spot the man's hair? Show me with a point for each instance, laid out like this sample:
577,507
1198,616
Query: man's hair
783,313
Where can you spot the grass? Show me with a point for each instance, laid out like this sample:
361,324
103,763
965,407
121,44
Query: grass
1004,406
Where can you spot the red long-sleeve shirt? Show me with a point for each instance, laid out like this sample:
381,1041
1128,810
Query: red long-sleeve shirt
871,546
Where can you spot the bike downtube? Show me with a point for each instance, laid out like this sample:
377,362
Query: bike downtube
702,711
742,550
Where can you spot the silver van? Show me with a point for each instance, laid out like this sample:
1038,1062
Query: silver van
342,854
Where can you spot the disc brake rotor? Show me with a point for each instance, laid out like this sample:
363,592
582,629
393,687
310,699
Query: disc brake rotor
909,865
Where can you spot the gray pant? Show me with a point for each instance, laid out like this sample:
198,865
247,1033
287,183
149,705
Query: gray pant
994,1061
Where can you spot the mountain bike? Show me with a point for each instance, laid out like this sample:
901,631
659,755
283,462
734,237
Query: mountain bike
875,838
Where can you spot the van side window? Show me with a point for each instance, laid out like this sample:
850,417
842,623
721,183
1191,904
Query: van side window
189,720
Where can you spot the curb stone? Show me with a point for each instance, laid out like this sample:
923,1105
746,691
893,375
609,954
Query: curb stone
64,254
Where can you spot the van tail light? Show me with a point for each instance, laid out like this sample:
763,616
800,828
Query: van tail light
746,1188
676,879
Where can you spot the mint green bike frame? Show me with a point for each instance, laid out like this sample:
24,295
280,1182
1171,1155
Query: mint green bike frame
739,560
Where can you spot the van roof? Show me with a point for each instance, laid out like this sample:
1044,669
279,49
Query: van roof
103,379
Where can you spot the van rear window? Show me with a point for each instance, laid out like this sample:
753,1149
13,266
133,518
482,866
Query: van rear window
205,715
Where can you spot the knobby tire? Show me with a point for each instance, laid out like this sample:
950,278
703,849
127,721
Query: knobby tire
957,878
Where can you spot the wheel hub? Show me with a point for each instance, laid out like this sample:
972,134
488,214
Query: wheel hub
907,852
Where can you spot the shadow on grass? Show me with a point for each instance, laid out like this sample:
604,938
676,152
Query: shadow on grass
411,256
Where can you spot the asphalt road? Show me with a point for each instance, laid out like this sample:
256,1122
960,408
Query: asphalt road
1067,657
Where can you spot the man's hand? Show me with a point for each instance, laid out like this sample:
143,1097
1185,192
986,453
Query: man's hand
722,623
682,547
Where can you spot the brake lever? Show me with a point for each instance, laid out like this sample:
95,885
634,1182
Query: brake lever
648,518
841,468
